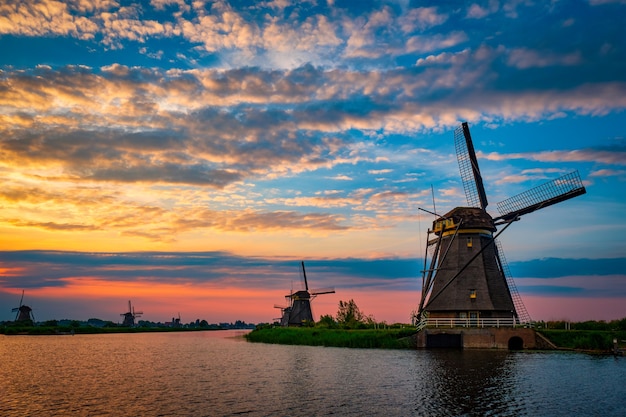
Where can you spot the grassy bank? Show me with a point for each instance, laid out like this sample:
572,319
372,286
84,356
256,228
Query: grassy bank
588,340
311,336
582,340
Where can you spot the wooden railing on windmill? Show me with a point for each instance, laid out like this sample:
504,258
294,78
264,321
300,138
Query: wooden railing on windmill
466,280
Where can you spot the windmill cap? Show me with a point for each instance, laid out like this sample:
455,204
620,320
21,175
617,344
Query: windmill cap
470,218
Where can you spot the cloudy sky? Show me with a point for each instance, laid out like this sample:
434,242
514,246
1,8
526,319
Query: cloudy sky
186,155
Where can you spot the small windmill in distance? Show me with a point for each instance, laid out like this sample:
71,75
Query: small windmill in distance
299,310
24,312
130,316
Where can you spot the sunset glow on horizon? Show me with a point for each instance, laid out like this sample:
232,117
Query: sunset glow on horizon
188,155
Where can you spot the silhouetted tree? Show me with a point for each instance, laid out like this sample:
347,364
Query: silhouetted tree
349,314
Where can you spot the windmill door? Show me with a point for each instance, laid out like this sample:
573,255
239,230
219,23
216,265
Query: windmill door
473,316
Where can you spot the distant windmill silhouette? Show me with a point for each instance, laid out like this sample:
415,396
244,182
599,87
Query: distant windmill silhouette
129,317
466,282
23,312
299,310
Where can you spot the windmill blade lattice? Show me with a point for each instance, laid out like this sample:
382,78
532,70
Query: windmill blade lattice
552,192
520,307
468,166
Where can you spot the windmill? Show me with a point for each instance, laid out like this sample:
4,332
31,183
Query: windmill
467,281
285,311
130,316
299,309
23,312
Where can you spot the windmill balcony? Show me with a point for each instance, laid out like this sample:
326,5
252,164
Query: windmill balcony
451,322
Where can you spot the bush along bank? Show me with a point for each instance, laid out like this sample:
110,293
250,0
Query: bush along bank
600,341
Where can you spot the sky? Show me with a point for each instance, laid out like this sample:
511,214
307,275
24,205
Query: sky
188,155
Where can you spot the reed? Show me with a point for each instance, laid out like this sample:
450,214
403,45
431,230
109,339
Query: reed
593,340
367,338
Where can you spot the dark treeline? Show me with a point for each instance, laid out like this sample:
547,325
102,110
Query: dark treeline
94,325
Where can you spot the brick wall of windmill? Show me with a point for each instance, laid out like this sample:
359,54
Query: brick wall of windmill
487,338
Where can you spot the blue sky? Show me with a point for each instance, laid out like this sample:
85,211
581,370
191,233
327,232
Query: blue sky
259,134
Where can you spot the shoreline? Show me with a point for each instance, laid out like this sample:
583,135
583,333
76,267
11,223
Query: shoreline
86,331
578,341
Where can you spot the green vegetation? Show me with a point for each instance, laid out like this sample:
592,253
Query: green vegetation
15,329
317,336
583,325
97,326
350,328
587,335
590,340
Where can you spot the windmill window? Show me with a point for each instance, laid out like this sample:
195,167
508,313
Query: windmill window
472,294
469,242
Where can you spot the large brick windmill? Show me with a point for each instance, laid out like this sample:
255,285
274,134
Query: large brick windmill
466,282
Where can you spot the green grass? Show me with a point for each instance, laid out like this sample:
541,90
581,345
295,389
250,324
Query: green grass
593,340
583,340
311,336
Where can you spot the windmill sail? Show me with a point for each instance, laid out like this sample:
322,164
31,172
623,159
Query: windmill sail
468,166
319,291
561,189
306,284
520,307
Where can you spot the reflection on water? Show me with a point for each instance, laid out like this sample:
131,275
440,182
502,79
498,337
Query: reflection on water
216,374
477,382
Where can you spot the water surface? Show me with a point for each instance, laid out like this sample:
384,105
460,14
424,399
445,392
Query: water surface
218,373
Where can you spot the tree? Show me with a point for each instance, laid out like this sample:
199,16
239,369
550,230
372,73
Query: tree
327,321
349,314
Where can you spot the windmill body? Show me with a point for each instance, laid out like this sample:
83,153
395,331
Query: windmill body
466,282
284,318
130,316
299,310
480,290
23,312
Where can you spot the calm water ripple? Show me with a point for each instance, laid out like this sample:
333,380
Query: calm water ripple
219,374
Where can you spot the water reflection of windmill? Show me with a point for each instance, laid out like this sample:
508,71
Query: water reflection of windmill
467,281
299,310
23,312
130,316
